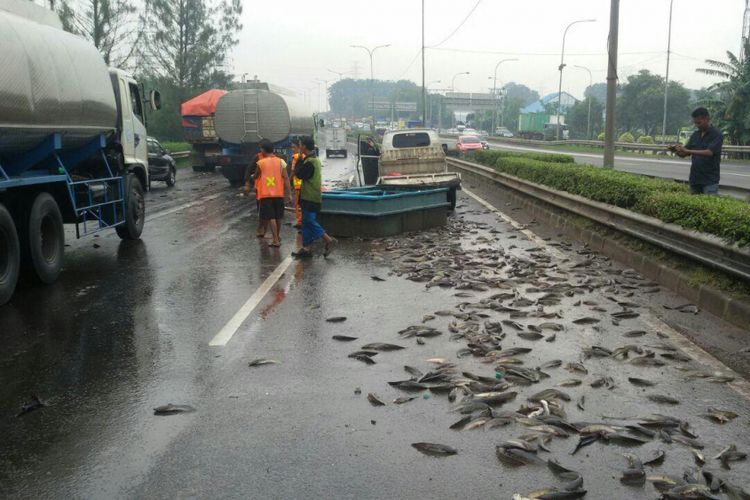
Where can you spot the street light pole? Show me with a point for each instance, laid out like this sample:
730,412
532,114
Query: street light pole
453,80
588,116
430,99
562,65
370,52
494,94
424,89
453,84
609,126
666,80
340,73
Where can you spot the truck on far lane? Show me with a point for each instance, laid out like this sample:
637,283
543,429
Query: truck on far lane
72,144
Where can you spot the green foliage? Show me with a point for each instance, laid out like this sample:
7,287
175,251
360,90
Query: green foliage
641,104
725,217
175,147
577,118
664,199
626,137
729,100
601,136
645,139
353,97
489,156
189,40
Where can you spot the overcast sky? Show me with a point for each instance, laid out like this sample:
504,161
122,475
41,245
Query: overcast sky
300,40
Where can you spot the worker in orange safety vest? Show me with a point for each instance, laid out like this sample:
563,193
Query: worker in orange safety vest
271,180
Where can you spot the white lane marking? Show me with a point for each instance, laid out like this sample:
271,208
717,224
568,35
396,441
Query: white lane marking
739,384
517,225
164,213
226,333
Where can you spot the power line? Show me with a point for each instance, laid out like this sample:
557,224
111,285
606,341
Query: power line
459,26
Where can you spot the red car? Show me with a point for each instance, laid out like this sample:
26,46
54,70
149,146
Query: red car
468,143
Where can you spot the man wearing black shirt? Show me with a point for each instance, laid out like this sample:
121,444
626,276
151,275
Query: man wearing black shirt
704,149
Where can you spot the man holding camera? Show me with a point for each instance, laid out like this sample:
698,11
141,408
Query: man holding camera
704,149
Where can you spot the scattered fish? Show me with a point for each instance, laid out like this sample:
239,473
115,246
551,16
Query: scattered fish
642,382
382,346
343,338
720,416
434,449
262,362
374,399
171,409
336,319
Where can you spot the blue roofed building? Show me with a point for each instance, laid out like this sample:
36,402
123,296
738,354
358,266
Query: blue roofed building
568,101
536,117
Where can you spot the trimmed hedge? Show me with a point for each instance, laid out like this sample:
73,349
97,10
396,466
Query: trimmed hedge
488,156
645,139
626,137
725,217
663,199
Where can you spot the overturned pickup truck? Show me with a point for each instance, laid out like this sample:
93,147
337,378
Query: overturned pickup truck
414,159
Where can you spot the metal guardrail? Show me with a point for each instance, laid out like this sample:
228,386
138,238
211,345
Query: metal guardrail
180,154
700,247
628,146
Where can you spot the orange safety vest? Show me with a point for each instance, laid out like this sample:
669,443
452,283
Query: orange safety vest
258,157
270,181
297,183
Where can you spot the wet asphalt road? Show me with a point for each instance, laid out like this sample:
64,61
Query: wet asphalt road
127,329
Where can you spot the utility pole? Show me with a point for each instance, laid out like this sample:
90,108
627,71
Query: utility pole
494,94
609,127
666,80
370,52
424,89
588,116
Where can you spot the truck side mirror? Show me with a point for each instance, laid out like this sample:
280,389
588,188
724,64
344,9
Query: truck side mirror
154,99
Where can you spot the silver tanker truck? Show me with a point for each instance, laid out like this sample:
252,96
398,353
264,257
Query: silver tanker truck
259,111
72,144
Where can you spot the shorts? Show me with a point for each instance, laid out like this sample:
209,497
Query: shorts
271,208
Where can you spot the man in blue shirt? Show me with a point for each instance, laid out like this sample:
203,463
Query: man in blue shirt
704,149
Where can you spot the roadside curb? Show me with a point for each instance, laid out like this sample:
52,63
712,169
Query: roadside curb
708,298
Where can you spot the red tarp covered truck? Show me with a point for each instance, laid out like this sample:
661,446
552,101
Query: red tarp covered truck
198,125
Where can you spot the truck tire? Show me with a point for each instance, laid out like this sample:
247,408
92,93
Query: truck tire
452,198
43,239
135,210
10,255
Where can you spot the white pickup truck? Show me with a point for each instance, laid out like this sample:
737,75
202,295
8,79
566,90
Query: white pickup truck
413,159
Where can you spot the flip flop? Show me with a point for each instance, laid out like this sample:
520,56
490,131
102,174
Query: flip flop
302,254
328,247
275,245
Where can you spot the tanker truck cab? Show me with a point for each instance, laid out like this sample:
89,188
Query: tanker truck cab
131,121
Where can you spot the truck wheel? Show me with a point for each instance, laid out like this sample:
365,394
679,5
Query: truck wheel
43,239
10,255
452,198
346,153
135,210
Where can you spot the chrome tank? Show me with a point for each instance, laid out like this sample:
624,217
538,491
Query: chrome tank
50,81
249,115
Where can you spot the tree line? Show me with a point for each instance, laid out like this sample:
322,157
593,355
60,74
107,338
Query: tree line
179,47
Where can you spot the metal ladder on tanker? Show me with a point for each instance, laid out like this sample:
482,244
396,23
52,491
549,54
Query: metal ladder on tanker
250,117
